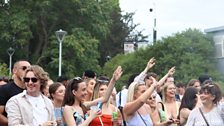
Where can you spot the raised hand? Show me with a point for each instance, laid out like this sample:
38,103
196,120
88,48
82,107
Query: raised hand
171,71
154,82
117,73
151,63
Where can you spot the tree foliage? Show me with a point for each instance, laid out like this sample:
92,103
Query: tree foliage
191,51
33,25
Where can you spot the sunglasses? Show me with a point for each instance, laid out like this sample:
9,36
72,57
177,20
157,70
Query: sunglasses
23,68
102,81
77,78
152,97
33,79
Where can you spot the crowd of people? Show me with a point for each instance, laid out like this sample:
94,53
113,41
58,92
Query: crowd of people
33,99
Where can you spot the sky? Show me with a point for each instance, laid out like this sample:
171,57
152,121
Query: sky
174,16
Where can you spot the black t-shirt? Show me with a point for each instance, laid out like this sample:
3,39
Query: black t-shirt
7,91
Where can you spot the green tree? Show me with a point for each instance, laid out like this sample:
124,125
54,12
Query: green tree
191,51
3,69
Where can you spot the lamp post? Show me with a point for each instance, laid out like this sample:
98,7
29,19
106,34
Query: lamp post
154,26
60,34
108,58
10,52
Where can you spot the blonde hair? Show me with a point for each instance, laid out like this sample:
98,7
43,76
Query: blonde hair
97,89
131,90
165,90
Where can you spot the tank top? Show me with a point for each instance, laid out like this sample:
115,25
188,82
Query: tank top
78,118
106,120
137,120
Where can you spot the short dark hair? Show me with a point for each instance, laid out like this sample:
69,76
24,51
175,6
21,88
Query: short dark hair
89,74
180,84
151,74
62,78
213,89
204,77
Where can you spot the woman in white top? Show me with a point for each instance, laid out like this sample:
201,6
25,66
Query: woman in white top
208,114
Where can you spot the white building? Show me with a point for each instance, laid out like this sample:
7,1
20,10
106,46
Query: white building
218,37
130,47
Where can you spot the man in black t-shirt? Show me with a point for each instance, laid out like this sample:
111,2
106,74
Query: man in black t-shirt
12,88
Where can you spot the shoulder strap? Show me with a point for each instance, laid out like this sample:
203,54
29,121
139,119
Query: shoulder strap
120,98
162,105
122,115
142,118
203,117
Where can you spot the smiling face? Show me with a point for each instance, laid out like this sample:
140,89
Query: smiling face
59,93
170,91
32,84
81,93
206,97
152,100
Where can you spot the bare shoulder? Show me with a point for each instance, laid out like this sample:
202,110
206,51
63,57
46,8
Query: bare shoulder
185,112
68,108
112,107
160,105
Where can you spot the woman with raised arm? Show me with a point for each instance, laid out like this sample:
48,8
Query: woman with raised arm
75,104
136,111
108,109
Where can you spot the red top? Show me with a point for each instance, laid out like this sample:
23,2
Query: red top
106,119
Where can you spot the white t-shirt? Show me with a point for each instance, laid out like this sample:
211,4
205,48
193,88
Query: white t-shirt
123,97
213,118
40,113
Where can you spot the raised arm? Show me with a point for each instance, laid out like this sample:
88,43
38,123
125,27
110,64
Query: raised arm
142,75
116,75
162,80
131,107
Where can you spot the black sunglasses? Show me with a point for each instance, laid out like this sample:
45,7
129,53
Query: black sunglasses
23,68
33,79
